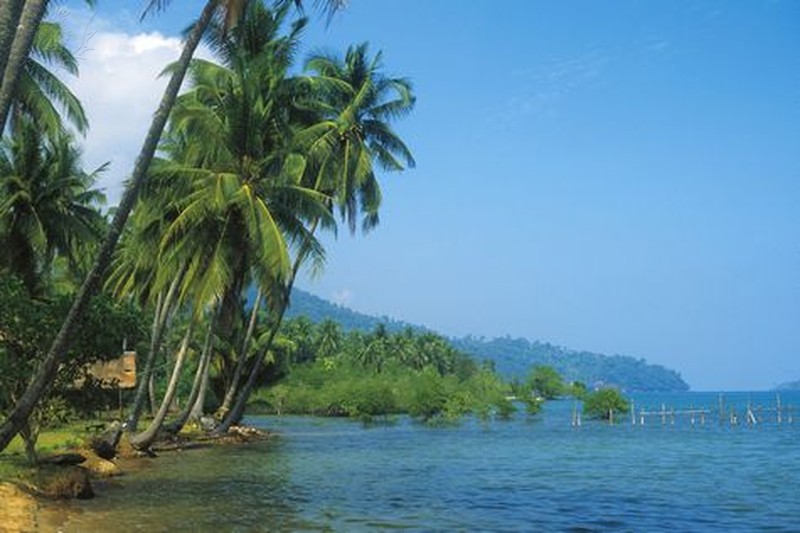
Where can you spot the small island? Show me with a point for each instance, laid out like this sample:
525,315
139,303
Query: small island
789,386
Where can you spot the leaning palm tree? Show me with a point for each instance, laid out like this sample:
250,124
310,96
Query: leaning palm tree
46,374
133,275
354,103
21,24
14,57
10,13
228,140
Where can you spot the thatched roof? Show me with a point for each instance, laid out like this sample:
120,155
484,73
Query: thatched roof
114,373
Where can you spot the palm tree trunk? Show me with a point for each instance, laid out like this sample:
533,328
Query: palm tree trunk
151,394
199,404
145,439
46,373
10,13
234,416
164,307
230,393
29,21
200,377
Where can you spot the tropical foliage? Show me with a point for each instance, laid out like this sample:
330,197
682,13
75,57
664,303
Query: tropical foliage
545,382
26,327
48,206
319,370
253,162
605,404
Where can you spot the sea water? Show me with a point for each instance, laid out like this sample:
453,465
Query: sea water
545,473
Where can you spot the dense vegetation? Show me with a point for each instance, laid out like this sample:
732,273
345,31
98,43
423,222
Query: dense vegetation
322,371
514,357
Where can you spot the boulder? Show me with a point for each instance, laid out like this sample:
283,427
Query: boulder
208,423
64,482
102,468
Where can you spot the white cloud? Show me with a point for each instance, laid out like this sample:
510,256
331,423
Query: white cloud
342,297
542,89
120,90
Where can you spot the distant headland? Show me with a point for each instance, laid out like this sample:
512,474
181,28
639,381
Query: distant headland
512,357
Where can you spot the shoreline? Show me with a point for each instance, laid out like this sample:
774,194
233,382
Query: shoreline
26,506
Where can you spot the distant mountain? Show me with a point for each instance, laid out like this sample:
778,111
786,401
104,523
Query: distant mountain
789,385
515,357
317,310
512,357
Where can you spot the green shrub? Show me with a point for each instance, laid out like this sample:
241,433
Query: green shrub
546,382
602,403
428,396
457,404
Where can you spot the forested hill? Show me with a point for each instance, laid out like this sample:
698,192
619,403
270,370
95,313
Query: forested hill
512,357
317,309
789,385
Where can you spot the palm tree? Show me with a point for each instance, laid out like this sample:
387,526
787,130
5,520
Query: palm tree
17,54
46,373
329,339
48,370
244,172
200,380
133,275
358,104
146,438
48,207
354,103
39,92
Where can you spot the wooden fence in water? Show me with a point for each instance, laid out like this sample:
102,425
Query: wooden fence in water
722,414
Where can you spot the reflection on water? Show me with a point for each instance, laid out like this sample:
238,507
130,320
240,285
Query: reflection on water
539,474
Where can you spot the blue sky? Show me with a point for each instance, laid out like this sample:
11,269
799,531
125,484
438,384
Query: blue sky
621,177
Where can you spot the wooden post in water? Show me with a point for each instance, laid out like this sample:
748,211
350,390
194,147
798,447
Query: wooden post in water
751,418
576,415
633,413
778,404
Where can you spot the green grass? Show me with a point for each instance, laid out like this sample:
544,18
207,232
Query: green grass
14,464
13,467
